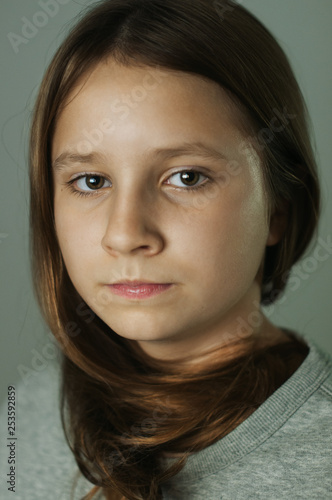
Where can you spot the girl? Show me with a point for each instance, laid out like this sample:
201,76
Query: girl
173,187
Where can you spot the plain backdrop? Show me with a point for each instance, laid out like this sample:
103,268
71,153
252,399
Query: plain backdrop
303,28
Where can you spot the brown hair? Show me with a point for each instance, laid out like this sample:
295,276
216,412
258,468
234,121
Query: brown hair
121,408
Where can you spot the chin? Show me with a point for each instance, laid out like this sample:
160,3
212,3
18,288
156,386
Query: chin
137,330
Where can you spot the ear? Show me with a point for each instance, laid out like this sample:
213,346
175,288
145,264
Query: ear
278,224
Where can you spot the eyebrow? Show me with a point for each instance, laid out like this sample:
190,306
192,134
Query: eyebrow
67,158
196,148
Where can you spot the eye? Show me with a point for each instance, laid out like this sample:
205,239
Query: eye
91,182
191,179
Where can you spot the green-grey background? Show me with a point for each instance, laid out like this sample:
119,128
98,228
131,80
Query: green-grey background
303,27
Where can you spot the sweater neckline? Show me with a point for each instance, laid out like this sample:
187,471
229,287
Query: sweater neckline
265,420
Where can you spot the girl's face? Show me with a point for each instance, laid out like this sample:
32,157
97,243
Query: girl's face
153,184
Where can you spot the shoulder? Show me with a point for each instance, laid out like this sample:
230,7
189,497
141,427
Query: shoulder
284,447
294,458
305,406
326,388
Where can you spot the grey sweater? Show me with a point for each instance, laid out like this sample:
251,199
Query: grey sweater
282,451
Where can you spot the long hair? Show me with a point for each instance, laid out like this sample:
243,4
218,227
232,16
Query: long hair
121,409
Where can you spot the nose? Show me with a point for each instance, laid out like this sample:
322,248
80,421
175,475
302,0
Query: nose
132,226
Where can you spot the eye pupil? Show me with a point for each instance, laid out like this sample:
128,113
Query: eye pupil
190,178
94,181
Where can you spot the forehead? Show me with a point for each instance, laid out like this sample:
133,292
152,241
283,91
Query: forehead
136,84
143,106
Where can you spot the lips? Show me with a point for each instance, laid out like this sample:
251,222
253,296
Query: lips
139,289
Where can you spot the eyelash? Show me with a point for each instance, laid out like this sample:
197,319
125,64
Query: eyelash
70,184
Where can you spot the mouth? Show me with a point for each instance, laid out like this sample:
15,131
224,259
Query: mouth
139,289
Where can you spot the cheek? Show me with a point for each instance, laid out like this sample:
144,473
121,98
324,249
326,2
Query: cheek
226,241
75,237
